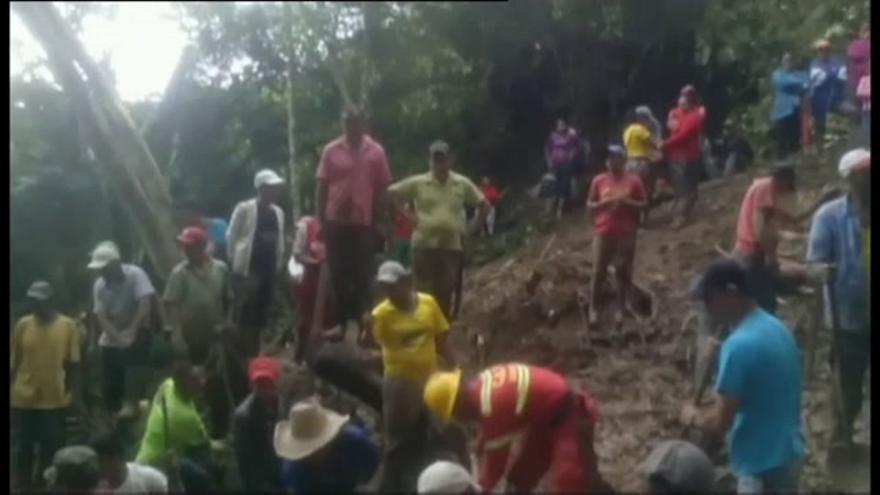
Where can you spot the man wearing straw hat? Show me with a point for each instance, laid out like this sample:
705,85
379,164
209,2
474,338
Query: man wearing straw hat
322,452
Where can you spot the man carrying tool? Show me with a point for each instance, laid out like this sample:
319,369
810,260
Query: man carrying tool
122,297
199,300
440,197
351,182
616,200
531,411
413,333
45,361
837,242
761,216
255,245
761,415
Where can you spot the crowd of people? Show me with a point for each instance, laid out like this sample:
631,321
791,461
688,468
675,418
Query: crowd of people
803,99
222,392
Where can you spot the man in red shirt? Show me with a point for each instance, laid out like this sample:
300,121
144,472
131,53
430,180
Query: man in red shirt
682,150
761,217
352,180
616,199
531,411
493,196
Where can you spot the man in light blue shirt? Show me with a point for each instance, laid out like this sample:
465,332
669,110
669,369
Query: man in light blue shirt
836,239
789,86
759,385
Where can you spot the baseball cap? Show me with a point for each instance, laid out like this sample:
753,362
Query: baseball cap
264,367
688,90
445,477
682,466
616,150
390,272
74,467
40,290
722,273
104,253
822,44
267,177
854,160
193,236
441,147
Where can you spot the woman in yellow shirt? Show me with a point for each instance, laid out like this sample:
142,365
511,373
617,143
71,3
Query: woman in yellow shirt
642,151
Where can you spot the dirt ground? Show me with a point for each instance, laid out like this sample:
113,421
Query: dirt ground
525,308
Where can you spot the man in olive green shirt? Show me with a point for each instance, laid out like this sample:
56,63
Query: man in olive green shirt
440,197
198,296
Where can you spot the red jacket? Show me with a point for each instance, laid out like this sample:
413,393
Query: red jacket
684,143
513,398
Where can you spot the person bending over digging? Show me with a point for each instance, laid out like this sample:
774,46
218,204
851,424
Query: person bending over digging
528,413
616,198
759,385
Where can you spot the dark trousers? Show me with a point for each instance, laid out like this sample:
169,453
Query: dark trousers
436,272
853,350
124,372
350,261
37,429
788,135
255,291
195,477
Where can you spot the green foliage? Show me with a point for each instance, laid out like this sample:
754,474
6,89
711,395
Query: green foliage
488,77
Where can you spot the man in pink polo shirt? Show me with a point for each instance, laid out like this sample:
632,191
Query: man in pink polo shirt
352,178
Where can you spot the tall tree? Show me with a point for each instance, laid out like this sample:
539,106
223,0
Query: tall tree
123,154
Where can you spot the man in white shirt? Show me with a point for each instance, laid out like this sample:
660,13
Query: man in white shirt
255,249
120,477
122,297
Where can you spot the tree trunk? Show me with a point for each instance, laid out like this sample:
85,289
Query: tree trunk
123,156
292,177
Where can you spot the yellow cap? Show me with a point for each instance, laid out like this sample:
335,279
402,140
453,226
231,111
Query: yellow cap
440,393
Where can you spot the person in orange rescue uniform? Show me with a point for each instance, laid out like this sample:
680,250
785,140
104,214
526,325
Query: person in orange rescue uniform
530,421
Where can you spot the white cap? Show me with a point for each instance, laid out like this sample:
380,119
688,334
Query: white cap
267,177
445,477
104,254
852,160
390,272
40,291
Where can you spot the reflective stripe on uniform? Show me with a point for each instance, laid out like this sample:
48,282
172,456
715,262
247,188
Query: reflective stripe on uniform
486,393
523,379
502,441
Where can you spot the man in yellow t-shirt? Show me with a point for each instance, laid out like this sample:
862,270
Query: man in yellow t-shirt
45,358
411,330
642,151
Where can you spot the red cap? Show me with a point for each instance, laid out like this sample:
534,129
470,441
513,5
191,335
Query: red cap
264,367
193,236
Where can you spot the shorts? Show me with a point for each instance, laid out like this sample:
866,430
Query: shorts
685,177
562,180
